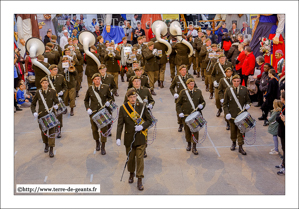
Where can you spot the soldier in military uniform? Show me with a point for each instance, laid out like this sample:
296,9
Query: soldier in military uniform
70,43
143,78
111,63
39,73
197,44
56,52
101,49
192,59
151,64
56,46
136,63
129,115
120,48
231,110
185,108
66,52
223,86
108,79
78,66
172,59
53,58
181,57
60,86
91,65
50,97
176,83
202,55
71,82
140,48
217,74
97,97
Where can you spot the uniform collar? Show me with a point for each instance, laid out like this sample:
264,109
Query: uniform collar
45,91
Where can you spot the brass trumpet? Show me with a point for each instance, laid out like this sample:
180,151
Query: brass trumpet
110,51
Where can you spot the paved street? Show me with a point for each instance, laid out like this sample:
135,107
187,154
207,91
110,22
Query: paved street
169,168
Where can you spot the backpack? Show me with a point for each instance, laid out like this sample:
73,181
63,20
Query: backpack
252,88
227,45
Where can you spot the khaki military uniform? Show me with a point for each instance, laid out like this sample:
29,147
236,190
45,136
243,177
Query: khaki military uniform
144,93
51,99
91,102
79,68
59,84
101,49
201,58
142,47
192,59
91,67
161,61
57,48
152,66
207,73
172,62
231,107
144,82
52,58
131,72
109,80
139,145
119,48
70,94
112,65
197,44
39,73
183,106
176,83
216,76
181,57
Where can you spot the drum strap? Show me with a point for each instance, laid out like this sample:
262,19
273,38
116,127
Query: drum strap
50,81
183,84
190,100
44,101
221,69
139,99
97,96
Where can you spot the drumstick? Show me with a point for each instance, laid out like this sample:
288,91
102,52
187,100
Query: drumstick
196,108
102,106
44,110
143,108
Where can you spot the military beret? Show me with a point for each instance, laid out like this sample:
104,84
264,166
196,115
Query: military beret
54,37
228,68
69,39
74,39
93,47
44,79
107,41
182,66
95,75
48,48
50,44
52,67
139,38
137,68
135,77
124,38
207,40
221,55
131,92
99,37
214,45
150,43
40,57
236,77
102,66
190,80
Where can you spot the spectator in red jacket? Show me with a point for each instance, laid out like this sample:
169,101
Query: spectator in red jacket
150,33
248,65
239,61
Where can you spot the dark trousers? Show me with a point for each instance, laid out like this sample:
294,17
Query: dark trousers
245,78
282,140
267,108
259,97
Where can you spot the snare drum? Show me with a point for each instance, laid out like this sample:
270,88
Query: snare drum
195,121
244,122
48,121
102,118
113,106
61,107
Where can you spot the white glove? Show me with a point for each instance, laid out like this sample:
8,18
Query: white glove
150,106
247,106
113,53
89,111
181,115
153,52
215,84
138,128
176,96
55,107
221,100
228,116
107,104
145,101
35,114
118,142
200,106
60,93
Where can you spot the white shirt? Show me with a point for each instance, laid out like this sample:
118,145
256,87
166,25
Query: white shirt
192,32
63,41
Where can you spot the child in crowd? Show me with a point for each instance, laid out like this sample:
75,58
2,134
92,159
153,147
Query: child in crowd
273,125
23,99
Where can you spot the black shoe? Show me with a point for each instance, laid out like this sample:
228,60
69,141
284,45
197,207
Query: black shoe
194,150
110,134
98,145
188,148
18,108
77,94
227,126
153,92
241,150
233,147
203,78
219,112
59,134
258,105
145,155
139,184
281,172
46,148
122,79
266,123
159,83
51,154
103,151
262,117
279,166
194,72
116,94
180,128
131,178
211,95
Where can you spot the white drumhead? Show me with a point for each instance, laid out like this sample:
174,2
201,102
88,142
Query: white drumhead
192,116
241,117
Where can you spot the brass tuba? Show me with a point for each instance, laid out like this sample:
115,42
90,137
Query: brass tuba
175,30
160,28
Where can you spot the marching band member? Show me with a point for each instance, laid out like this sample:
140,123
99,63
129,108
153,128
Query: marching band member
172,64
192,59
60,86
129,115
107,79
231,110
120,48
91,65
101,49
46,97
79,65
204,53
56,53
136,63
111,63
144,79
181,57
52,57
179,82
223,86
197,44
56,46
96,98
217,74
39,73
185,106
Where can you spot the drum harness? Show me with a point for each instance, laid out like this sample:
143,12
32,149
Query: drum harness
113,119
240,107
194,109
